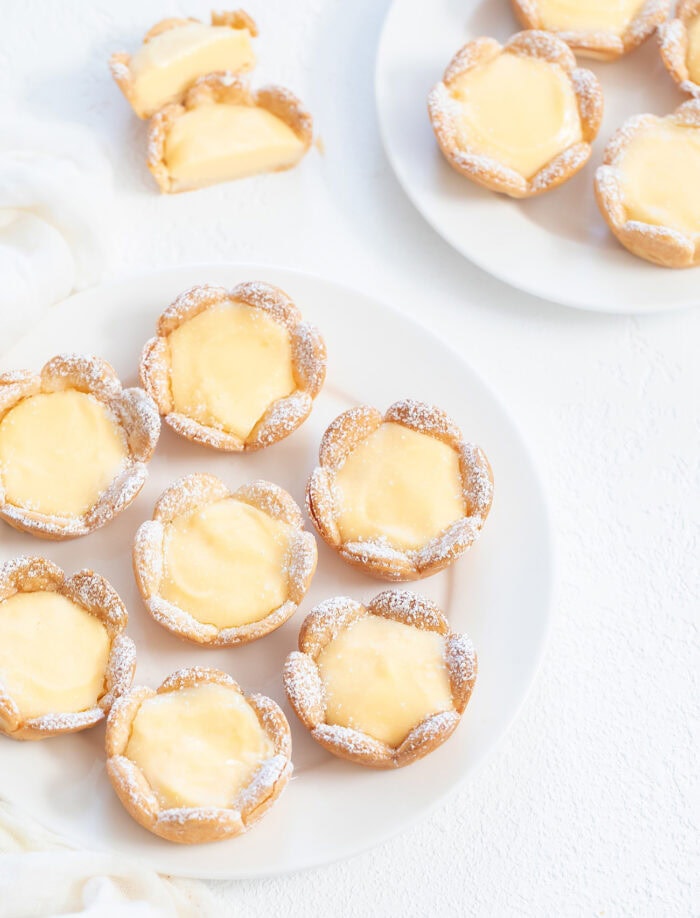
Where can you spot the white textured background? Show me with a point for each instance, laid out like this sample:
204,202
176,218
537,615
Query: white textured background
588,806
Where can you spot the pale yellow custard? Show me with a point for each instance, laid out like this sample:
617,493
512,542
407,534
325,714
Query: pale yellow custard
660,176
521,111
589,15
226,564
199,746
399,485
169,63
217,142
227,365
693,55
53,654
384,678
59,452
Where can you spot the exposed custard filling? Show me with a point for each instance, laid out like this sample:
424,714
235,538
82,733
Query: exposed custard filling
53,654
227,366
693,55
384,678
199,746
660,175
59,452
217,142
169,63
226,564
521,111
398,485
589,15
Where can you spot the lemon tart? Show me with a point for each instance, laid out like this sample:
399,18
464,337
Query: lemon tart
382,684
679,40
234,369
516,118
64,656
198,759
400,495
74,446
175,52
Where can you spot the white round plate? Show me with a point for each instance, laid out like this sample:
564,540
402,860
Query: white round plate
556,246
499,593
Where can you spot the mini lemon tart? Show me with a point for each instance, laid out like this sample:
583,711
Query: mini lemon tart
601,29
73,446
518,119
400,495
198,759
220,567
679,40
648,189
223,131
382,684
234,369
64,657
176,52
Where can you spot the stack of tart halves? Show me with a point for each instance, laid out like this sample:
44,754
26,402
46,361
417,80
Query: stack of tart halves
400,495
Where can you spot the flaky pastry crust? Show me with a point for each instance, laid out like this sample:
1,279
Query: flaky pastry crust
377,557
660,245
120,61
673,45
94,594
132,409
283,416
600,45
305,691
195,825
488,171
228,89
193,493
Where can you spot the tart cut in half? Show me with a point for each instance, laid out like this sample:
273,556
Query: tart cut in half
198,759
400,495
220,567
382,684
679,40
601,29
74,446
648,189
64,656
517,118
224,131
234,369
176,52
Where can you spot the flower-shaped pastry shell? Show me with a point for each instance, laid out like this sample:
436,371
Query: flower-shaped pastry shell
193,493
92,593
377,557
132,409
283,416
673,42
305,691
194,825
486,170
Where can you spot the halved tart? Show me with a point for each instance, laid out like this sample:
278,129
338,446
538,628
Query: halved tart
679,40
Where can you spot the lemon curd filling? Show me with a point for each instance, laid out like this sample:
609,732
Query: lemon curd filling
589,15
521,111
384,678
693,55
199,746
53,654
59,452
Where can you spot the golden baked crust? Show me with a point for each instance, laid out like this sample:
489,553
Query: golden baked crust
94,594
284,415
192,493
225,88
195,825
120,61
488,171
673,44
132,409
601,45
379,558
305,691
660,245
